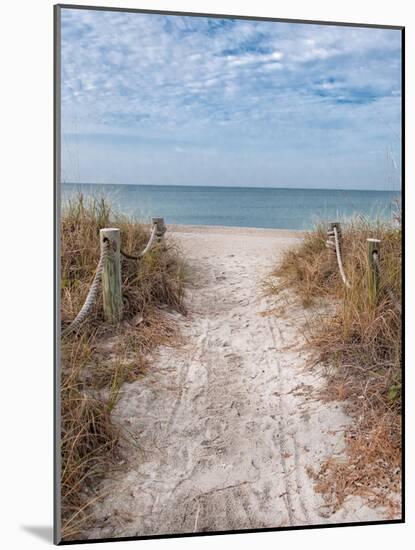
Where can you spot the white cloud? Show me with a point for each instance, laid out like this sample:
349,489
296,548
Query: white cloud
254,58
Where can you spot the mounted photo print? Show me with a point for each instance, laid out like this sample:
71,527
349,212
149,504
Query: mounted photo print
229,222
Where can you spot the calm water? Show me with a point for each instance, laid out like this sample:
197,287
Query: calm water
240,206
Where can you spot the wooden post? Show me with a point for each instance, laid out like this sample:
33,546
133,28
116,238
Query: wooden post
111,276
337,225
331,242
373,246
161,228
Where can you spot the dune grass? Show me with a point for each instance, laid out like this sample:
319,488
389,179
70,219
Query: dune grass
98,358
360,343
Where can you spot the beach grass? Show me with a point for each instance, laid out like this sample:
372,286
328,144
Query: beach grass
98,358
360,344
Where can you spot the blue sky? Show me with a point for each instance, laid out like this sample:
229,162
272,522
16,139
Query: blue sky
176,100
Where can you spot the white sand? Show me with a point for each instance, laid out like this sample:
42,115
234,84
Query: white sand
227,425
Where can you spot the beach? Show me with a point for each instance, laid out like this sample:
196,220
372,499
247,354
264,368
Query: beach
228,425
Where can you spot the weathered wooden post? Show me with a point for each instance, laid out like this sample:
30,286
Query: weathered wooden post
337,226
373,246
161,228
111,275
331,242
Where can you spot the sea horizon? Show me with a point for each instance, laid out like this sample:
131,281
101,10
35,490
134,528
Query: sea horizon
398,191
292,208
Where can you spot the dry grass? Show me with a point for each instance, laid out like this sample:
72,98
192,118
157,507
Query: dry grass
99,358
360,344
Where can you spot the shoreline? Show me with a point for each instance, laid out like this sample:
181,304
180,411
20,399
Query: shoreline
236,230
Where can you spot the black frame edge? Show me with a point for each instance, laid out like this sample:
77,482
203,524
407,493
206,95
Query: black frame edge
403,279
56,274
229,16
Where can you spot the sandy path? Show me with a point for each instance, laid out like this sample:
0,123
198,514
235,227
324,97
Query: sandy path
227,425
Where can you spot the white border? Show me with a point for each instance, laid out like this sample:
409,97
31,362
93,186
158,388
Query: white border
27,269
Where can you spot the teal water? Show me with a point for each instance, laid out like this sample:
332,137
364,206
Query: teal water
240,206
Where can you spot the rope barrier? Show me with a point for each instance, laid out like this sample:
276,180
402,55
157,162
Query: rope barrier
339,258
92,293
146,249
389,291
333,244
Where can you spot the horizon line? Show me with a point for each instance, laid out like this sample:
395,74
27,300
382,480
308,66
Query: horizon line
399,190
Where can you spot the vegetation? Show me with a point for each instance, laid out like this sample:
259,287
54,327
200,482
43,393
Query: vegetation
360,343
98,358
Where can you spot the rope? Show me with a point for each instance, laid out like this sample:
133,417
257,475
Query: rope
92,293
146,249
128,256
339,258
389,291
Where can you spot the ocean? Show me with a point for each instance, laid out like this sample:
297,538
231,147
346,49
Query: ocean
240,206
